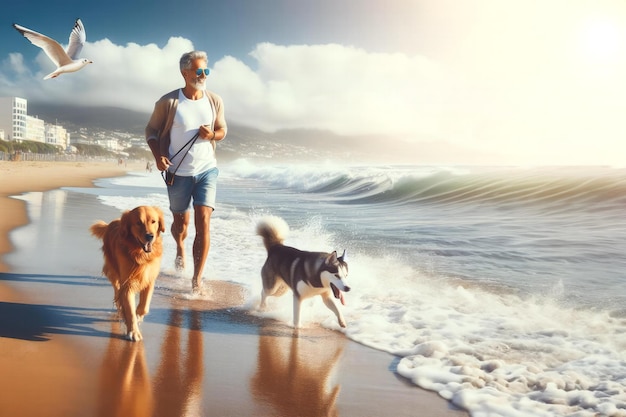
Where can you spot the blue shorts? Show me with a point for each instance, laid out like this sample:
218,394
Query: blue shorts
201,188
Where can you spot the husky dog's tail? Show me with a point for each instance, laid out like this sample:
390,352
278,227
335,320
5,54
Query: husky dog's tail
273,230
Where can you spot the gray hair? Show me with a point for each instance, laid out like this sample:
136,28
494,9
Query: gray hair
185,60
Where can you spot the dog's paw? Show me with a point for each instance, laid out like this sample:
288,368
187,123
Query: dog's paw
141,313
342,323
134,336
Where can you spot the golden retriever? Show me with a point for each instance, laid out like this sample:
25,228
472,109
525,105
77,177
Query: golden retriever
133,248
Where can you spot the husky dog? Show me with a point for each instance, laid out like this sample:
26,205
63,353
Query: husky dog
306,273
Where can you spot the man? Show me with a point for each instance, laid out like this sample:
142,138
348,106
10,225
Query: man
177,117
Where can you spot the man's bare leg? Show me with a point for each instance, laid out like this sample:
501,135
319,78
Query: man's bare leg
201,243
179,233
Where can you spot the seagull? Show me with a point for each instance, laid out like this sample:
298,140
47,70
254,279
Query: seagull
66,61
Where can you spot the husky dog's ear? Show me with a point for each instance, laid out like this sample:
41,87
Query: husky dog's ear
343,257
332,258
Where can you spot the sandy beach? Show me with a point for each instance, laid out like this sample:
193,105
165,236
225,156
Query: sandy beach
63,354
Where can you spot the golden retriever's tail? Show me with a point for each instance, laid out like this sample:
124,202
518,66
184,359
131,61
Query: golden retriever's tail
98,229
273,230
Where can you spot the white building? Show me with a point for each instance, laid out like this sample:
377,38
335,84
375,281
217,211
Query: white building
17,125
35,129
13,117
57,135
112,145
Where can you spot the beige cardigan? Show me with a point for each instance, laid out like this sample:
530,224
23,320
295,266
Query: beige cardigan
162,118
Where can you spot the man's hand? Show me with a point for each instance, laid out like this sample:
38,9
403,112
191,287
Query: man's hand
205,132
163,163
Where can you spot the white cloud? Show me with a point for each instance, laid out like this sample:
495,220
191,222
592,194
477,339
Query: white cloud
334,87
132,76
16,62
559,114
344,89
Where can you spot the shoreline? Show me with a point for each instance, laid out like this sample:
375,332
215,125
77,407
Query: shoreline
67,351
30,365
21,177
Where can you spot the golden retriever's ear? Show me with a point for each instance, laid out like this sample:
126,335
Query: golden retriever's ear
161,220
125,224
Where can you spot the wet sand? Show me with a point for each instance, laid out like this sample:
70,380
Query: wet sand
62,352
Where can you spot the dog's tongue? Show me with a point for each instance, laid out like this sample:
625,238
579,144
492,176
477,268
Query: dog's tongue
338,293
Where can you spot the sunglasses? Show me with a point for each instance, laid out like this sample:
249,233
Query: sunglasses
199,71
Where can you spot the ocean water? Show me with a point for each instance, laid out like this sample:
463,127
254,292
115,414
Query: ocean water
503,289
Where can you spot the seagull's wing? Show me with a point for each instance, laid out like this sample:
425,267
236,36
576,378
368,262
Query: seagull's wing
77,40
51,47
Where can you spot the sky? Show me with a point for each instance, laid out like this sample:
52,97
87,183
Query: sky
456,81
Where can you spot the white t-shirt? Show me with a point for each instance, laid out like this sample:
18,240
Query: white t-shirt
190,115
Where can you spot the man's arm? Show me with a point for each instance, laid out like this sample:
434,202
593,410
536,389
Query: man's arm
157,120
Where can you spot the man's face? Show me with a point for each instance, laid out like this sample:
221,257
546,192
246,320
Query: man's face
195,76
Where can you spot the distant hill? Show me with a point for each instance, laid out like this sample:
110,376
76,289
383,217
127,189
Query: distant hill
243,141
101,118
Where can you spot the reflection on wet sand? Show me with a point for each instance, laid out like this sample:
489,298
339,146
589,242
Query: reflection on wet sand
124,381
294,373
178,381
126,388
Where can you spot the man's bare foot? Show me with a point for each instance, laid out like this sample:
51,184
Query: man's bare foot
179,264
196,287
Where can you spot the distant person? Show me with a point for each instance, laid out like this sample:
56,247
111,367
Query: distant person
182,133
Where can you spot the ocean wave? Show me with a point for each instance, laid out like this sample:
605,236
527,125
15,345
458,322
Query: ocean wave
556,187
